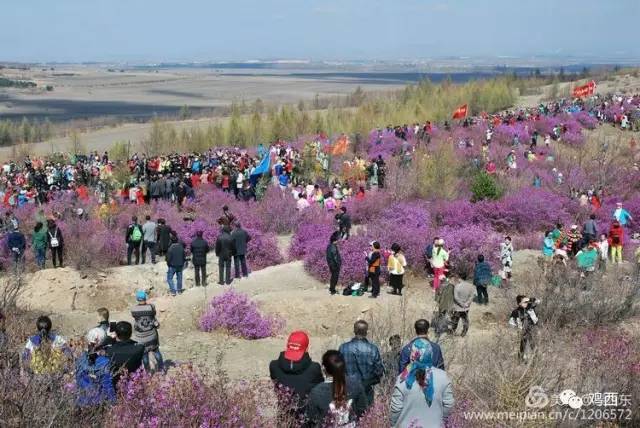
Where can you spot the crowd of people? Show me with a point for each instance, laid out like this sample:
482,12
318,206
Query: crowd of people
341,388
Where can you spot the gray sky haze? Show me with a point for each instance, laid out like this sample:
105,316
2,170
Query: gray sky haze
212,30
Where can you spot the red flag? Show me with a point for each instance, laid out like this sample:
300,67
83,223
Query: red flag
461,112
584,90
340,146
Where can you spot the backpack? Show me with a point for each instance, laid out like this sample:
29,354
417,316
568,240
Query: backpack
53,240
136,234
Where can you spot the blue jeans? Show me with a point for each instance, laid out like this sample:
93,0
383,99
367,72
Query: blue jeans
40,255
178,273
159,360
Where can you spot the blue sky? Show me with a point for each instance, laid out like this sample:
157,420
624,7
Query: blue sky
197,30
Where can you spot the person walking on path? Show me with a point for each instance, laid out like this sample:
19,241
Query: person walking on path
374,260
39,244
175,264
241,238
396,264
439,259
362,359
333,261
149,232
422,395
55,242
481,279
225,249
199,251
145,331
463,293
133,239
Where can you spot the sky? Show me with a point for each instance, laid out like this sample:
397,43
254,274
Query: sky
215,30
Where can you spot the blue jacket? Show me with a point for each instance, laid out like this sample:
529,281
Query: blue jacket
482,274
94,381
362,360
405,356
16,240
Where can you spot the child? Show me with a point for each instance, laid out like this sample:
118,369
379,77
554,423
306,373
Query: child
603,248
108,327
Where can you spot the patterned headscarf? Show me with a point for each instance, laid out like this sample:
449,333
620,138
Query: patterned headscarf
420,358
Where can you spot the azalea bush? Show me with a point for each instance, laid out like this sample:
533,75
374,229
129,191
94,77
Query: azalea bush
236,314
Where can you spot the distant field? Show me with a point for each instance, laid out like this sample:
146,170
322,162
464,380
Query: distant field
85,93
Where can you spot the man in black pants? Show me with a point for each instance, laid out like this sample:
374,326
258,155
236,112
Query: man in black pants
240,238
55,243
334,261
373,270
133,238
225,249
199,250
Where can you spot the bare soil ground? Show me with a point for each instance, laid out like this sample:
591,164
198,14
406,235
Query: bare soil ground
72,299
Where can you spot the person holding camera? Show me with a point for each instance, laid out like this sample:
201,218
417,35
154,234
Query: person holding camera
524,317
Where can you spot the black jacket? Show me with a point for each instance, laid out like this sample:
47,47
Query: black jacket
163,233
225,246
344,222
241,238
300,376
175,256
333,257
199,250
126,355
55,233
321,396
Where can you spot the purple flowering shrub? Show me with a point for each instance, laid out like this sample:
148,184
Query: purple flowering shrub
277,211
236,314
310,237
465,243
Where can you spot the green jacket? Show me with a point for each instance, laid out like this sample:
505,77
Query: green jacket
39,239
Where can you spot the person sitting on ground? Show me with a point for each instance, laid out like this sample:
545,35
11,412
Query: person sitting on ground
422,395
339,400
421,327
46,352
146,331
94,382
363,359
295,371
481,278
125,355
107,326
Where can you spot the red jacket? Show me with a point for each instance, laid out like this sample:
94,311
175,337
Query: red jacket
616,233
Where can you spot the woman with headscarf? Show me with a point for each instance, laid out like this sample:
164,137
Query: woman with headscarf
422,395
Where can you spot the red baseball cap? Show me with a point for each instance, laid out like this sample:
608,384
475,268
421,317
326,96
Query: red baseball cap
297,345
